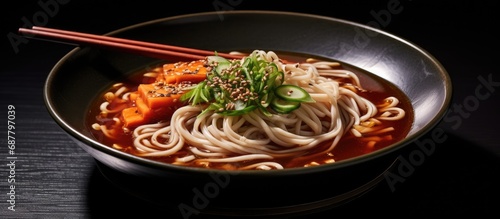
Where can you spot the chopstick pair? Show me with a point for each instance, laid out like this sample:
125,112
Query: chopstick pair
154,50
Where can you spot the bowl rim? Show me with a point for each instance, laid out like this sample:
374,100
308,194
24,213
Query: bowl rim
287,171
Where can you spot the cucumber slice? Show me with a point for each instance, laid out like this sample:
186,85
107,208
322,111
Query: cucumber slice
219,59
222,63
293,93
283,106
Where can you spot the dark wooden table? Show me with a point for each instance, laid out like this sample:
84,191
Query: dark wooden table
54,178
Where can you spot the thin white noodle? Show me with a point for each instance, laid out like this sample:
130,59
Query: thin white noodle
261,165
238,158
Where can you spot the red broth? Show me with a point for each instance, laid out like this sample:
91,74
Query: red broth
348,147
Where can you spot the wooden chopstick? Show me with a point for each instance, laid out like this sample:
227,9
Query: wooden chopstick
154,50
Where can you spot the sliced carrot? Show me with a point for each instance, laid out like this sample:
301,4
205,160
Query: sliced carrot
156,97
183,71
143,113
133,96
131,117
142,108
159,100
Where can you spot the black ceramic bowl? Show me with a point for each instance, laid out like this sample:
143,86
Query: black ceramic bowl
85,73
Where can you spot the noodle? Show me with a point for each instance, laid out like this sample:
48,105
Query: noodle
254,140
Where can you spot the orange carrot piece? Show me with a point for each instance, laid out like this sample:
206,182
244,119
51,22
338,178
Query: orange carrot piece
133,96
151,104
155,102
157,97
142,108
131,117
185,71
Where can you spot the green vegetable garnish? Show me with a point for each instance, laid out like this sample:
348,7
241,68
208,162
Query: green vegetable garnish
283,106
293,93
235,88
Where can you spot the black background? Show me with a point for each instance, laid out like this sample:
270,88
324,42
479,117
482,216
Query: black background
55,178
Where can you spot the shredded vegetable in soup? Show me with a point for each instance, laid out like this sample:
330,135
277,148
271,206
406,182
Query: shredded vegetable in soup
256,112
